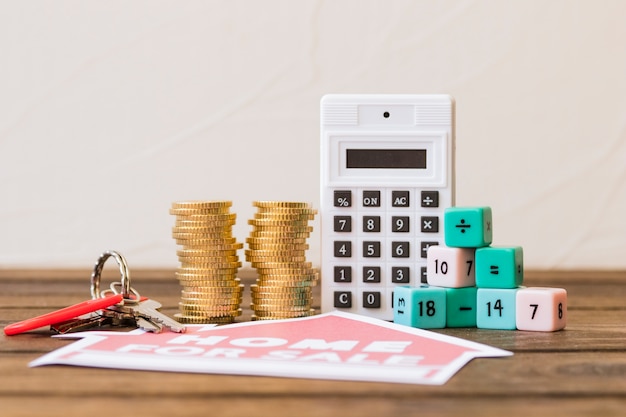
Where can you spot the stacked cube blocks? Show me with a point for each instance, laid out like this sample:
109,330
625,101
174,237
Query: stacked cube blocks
473,284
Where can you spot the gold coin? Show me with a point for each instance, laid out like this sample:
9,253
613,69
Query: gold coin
282,226
272,306
252,253
210,265
223,252
263,265
210,258
299,283
217,228
291,282
278,246
256,260
201,204
209,271
290,290
286,210
206,283
214,310
275,240
189,319
286,271
282,204
282,315
284,217
204,234
277,234
202,217
214,219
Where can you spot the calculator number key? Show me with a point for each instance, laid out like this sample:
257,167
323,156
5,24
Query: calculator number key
342,224
371,274
343,249
400,250
400,224
400,274
343,274
371,224
371,249
371,299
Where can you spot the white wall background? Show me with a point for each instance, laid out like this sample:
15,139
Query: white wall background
109,111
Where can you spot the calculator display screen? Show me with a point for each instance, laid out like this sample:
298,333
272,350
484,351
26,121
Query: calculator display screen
386,158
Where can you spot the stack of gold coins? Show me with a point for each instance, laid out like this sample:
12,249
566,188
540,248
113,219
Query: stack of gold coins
277,250
209,262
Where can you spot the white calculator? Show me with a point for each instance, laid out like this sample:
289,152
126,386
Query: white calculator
387,174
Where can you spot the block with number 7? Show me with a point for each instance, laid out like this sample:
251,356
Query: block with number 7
450,267
541,309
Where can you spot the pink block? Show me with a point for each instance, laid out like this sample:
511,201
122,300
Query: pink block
541,309
450,267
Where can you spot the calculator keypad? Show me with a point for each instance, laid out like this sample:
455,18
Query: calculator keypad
379,241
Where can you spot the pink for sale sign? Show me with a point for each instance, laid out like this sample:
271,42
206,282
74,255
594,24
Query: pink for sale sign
336,345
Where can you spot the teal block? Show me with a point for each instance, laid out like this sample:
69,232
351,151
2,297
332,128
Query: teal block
499,267
495,308
461,307
423,307
468,227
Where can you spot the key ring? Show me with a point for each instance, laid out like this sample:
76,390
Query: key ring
125,275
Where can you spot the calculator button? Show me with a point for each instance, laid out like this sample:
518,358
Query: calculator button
424,248
430,198
343,249
371,198
371,224
342,224
400,199
342,198
371,299
343,299
400,250
430,224
371,274
400,274
371,249
343,274
400,224
424,275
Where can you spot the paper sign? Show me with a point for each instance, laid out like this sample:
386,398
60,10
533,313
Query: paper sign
339,346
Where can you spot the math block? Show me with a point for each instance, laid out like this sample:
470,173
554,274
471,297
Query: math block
468,227
499,267
423,307
495,308
450,267
541,309
461,307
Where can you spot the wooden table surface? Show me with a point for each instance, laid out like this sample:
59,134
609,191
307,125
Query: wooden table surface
578,371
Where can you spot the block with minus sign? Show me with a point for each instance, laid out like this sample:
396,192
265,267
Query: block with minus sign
499,267
468,227
461,307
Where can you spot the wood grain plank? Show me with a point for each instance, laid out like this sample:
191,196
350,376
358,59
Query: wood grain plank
314,406
522,375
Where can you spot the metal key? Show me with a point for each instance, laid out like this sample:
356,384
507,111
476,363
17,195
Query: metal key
147,310
79,324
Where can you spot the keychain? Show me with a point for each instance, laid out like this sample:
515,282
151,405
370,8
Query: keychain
120,305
